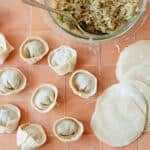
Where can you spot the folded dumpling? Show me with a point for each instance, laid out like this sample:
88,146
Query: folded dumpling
62,60
30,136
9,118
83,83
33,49
44,98
68,129
5,48
12,81
143,89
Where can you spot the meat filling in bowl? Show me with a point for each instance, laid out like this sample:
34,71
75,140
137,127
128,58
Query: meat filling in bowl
97,16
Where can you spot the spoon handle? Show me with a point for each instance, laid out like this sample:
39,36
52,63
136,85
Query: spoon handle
35,3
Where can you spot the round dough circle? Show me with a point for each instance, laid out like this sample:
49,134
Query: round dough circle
139,77
135,54
120,115
144,89
139,73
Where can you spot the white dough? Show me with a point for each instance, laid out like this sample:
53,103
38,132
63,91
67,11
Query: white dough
12,81
67,128
9,118
62,60
136,54
145,90
120,115
33,49
44,98
30,136
139,73
5,48
139,76
83,83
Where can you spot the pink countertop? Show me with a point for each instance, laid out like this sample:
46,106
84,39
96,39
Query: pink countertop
17,21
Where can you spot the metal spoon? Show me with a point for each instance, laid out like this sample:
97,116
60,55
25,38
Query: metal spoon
35,3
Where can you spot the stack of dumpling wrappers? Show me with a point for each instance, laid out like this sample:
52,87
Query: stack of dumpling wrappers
122,112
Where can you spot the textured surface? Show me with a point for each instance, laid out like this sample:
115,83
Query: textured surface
18,21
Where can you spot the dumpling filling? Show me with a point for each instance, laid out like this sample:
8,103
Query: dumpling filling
96,16
67,128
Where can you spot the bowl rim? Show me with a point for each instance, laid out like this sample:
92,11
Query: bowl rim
124,29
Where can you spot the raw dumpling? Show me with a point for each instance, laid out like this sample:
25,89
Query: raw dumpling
68,129
62,60
136,54
9,118
12,81
120,115
83,83
30,136
5,48
33,49
44,98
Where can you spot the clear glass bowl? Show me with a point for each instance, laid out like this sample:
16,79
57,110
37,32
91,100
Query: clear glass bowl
134,20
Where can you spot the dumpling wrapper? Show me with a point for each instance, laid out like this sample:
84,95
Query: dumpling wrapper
44,98
139,73
30,136
33,49
145,90
12,81
62,60
120,115
135,54
139,77
5,48
9,118
83,83
68,129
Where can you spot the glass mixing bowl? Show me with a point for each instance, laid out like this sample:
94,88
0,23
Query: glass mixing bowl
134,20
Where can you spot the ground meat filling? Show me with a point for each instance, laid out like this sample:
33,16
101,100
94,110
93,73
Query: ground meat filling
98,16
